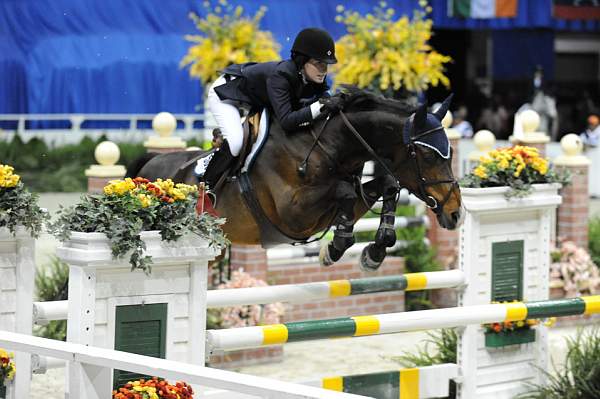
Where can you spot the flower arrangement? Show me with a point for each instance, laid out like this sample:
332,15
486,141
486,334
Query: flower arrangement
385,55
573,270
154,388
518,167
18,207
128,207
7,367
227,38
247,315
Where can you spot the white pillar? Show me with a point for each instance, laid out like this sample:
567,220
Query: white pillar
17,280
98,284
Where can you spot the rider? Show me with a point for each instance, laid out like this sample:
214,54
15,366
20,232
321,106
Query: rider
294,90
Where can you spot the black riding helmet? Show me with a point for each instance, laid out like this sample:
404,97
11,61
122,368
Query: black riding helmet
315,43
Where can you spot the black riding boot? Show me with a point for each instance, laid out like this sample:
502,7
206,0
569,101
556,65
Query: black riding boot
219,162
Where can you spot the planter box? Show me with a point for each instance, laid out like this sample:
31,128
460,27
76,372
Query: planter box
506,338
109,304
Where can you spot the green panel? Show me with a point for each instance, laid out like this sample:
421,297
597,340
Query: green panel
377,284
306,330
506,338
378,385
555,308
140,329
507,271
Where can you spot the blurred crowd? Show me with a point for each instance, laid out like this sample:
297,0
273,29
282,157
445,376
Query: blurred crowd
496,112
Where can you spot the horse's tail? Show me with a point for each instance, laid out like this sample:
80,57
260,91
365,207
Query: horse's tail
134,167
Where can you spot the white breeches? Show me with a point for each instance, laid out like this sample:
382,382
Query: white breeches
227,117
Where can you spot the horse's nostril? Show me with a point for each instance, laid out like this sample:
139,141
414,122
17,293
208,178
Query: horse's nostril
456,216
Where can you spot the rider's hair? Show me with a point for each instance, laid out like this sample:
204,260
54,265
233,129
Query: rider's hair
299,59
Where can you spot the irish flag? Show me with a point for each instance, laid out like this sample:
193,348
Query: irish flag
482,8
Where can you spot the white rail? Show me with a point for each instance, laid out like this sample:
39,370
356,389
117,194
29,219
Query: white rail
85,356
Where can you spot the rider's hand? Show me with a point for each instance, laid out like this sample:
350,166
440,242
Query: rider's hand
331,105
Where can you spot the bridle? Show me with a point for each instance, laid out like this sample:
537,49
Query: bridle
422,182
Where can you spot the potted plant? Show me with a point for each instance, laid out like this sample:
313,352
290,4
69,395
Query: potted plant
18,207
388,55
154,388
7,371
517,171
130,213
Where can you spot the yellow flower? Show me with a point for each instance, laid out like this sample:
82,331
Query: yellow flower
227,37
145,200
480,172
398,58
7,178
119,187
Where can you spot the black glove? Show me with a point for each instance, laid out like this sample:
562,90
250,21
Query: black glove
331,105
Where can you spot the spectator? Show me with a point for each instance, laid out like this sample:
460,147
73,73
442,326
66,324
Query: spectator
461,124
494,117
591,136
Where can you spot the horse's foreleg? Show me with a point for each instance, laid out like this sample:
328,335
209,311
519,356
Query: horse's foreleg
342,237
374,254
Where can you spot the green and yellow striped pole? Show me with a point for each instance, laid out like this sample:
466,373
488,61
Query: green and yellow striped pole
277,334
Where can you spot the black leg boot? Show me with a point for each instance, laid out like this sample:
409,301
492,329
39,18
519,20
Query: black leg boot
218,164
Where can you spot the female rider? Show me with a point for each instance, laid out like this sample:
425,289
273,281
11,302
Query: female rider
294,90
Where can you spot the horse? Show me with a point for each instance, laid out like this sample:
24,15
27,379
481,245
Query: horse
304,182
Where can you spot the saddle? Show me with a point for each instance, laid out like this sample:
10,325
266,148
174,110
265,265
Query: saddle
251,129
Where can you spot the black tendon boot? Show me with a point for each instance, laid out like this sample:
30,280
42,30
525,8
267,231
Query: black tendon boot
218,164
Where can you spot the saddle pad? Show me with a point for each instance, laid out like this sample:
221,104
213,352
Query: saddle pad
263,128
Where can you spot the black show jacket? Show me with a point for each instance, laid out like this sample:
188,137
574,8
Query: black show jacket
277,86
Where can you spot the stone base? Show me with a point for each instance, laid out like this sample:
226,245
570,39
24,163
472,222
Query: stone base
247,357
96,184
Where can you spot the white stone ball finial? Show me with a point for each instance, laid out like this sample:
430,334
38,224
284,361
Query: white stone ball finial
484,140
164,124
447,121
107,153
530,120
572,147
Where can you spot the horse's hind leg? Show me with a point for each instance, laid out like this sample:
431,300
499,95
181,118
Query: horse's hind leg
374,254
342,237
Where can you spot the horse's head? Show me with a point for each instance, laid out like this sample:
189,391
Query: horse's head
427,168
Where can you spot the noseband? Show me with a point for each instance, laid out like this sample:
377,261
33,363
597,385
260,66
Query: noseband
422,182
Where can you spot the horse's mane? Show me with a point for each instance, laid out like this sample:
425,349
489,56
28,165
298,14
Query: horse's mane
356,99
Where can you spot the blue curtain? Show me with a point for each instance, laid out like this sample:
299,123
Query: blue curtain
122,56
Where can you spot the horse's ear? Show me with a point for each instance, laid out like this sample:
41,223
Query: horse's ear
420,117
441,111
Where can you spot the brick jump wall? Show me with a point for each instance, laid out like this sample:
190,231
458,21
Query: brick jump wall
299,273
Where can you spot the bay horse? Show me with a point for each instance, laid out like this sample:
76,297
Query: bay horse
305,182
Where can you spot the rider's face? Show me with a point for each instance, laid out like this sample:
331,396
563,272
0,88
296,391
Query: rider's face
315,70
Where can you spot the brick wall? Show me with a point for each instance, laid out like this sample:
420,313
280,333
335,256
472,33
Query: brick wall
574,210
385,302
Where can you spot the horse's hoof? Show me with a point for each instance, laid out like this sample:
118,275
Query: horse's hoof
367,264
324,257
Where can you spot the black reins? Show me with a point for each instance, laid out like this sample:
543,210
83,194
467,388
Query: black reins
422,184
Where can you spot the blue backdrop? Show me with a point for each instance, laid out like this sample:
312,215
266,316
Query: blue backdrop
122,56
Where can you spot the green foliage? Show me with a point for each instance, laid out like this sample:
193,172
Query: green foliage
594,240
59,169
444,343
129,208
580,378
18,207
50,285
